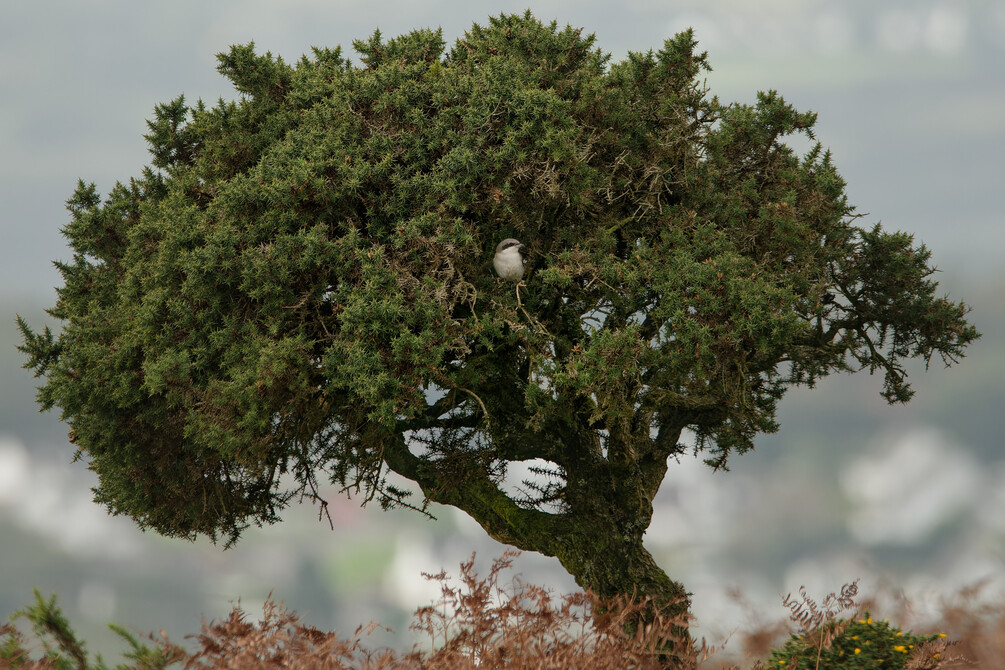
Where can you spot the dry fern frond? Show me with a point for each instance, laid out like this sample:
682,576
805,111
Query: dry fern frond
482,623
279,640
936,654
808,615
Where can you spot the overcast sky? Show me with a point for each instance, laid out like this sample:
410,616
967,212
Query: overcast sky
910,95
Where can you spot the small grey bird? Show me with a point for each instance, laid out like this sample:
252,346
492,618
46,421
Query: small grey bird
508,262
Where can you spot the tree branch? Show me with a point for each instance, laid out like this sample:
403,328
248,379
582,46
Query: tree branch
497,513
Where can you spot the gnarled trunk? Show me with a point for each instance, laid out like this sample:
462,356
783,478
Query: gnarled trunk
613,566
598,538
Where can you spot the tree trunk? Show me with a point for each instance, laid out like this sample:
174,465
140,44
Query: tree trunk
613,566
598,540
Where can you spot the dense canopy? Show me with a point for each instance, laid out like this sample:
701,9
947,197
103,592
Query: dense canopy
300,288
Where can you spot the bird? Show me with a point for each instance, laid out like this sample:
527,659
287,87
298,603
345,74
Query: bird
508,262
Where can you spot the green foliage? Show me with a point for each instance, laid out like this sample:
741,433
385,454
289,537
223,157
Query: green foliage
301,285
63,651
862,644
51,627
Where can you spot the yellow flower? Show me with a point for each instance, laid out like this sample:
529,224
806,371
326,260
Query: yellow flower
857,650
936,656
854,637
942,635
899,633
901,648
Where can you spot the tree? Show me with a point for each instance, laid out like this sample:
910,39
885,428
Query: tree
300,289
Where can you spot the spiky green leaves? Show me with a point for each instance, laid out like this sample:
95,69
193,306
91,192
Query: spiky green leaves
305,280
894,312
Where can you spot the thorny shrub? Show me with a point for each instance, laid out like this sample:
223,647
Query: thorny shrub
823,640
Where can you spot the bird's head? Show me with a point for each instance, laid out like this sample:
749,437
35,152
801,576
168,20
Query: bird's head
507,261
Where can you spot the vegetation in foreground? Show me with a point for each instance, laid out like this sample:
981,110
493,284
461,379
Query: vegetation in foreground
486,624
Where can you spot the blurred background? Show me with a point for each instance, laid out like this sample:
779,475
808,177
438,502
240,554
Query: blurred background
911,101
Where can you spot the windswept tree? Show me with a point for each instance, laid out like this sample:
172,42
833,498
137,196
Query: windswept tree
300,290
